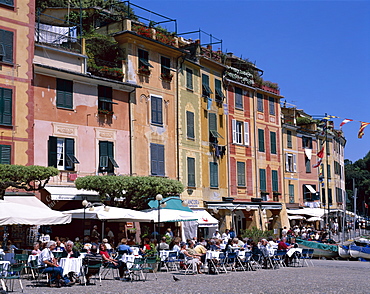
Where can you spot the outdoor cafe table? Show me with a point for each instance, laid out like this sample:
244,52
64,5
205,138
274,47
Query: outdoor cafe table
291,251
71,265
129,258
164,254
32,257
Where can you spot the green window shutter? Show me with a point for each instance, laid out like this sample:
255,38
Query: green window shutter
70,154
291,193
206,90
213,171
272,105
262,179
241,173
218,89
212,122
289,139
157,159
64,93
273,142
5,154
259,102
275,180
103,156
308,165
191,172
261,140
190,124
238,98
7,2
189,78
6,106
52,154
329,171
6,46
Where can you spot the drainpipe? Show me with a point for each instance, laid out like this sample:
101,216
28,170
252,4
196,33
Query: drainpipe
131,128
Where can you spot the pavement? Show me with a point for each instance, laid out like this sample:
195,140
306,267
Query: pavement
327,276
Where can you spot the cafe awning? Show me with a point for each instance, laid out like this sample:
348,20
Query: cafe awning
244,205
71,193
205,219
310,188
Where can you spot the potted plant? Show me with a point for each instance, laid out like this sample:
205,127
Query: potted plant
105,111
166,76
144,70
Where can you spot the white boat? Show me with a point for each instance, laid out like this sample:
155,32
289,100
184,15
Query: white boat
359,251
343,251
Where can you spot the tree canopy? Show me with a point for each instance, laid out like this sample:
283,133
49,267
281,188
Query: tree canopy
358,171
29,178
139,190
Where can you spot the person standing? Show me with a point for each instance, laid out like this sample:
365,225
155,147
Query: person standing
216,235
225,236
109,235
95,233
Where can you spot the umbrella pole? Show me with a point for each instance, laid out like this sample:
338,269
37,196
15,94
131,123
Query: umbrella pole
102,230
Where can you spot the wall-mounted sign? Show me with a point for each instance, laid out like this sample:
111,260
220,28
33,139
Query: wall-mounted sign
240,76
193,203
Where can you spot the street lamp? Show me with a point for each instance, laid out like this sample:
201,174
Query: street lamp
85,205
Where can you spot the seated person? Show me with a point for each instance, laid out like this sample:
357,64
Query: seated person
283,245
191,255
123,248
163,245
201,250
145,248
109,261
36,249
92,258
107,244
216,246
69,251
46,258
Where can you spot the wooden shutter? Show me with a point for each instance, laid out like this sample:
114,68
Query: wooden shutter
153,159
52,154
261,140
7,2
103,156
294,162
273,142
68,94
189,78
156,103
275,180
6,106
287,162
191,172
246,133
190,124
213,170
69,153
212,121
5,154
6,40
233,125
262,180
161,163
241,173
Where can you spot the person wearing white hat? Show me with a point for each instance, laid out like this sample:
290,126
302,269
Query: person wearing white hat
216,234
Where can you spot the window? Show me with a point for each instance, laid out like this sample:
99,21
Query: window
275,180
144,61
106,157
330,196
213,172
308,165
6,44
309,193
289,139
339,195
273,142
5,154
190,125
291,193
259,102
238,98
262,179
62,153
64,93
206,90
157,160
329,171
6,97
191,172
237,127
290,162
7,2
307,142
105,103
166,68
219,95
241,173
272,105
212,125
156,103
261,140
189,78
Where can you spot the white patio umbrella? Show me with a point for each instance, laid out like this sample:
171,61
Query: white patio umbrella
171,215
12,213
109,213
314,218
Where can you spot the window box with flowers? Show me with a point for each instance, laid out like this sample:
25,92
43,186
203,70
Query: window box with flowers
105,111
166,38
144,70
166,76
143,31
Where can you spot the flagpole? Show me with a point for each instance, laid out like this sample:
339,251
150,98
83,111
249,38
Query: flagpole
327,173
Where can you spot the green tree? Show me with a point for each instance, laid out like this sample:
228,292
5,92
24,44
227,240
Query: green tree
29,178
256,234
139,190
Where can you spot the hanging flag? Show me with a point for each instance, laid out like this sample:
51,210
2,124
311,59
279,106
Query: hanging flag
361,130
344,122
321,152
317,164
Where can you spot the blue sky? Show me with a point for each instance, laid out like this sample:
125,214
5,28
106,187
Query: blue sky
317,51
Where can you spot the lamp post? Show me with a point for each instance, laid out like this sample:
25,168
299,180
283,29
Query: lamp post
85,204
159,198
